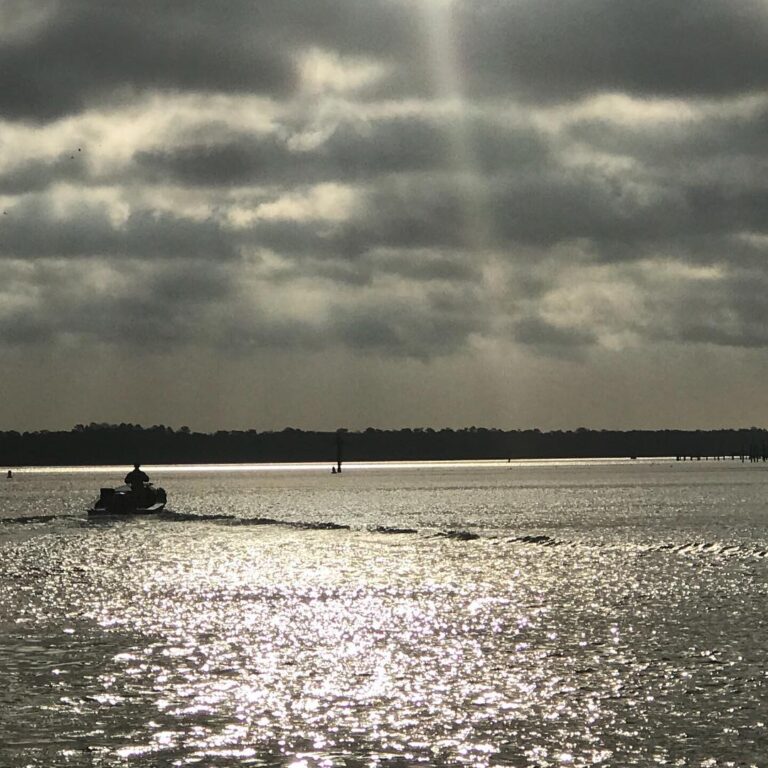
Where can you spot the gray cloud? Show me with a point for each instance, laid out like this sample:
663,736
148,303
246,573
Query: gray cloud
539,49
568,343
131,306
429,326
38,175
727,312
93,51
237,162
708,139
355,150
90,52
621,220
138,305
412,266
33,229
421,213
467,196
550,50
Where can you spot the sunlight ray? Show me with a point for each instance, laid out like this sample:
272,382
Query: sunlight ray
440,37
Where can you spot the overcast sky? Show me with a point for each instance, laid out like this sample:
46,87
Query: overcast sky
324,213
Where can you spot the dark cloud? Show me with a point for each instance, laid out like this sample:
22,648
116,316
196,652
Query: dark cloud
408,266
33,229
434,212
620,215
729,311
544,50
23,329
247,160
552,50
430,215
89,52
356,150
425,327
620,219
38,175
425,266
139,305
418,182
709,139
613,218
131,305
553,340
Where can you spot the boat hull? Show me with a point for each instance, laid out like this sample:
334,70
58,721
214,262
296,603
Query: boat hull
125,512
126,501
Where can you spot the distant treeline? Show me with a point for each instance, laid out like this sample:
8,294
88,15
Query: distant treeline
129,443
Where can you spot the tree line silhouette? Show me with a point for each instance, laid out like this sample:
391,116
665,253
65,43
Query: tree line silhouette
95,444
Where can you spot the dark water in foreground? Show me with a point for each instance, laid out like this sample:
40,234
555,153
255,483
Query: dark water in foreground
534,615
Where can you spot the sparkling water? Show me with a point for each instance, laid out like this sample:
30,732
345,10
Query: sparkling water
477,613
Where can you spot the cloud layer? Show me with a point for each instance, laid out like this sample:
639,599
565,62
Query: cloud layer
394,182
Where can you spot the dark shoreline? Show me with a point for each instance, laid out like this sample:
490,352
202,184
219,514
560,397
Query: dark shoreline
101,444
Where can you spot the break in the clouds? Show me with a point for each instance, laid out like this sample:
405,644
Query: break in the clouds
382,205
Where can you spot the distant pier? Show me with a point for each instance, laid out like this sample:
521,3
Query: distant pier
753,455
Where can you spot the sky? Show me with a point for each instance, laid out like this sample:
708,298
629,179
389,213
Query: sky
334,213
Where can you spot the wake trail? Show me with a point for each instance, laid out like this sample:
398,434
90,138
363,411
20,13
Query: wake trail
715,551
31,519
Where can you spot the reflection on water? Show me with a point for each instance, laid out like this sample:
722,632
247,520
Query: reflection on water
603,616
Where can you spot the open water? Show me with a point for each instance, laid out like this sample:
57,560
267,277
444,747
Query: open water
476,614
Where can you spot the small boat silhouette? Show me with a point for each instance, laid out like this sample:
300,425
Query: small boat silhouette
125,500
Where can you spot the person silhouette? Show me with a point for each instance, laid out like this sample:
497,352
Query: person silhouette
136,478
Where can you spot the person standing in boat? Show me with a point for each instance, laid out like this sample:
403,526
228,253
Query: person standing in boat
136,478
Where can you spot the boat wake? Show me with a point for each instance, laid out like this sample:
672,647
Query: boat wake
31,519
715,551
389,530
224,519
458,535
544,541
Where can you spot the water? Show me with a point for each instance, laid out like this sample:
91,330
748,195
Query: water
536,614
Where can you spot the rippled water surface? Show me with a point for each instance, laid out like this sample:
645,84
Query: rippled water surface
541,614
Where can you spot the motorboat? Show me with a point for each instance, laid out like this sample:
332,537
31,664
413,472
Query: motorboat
127,500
